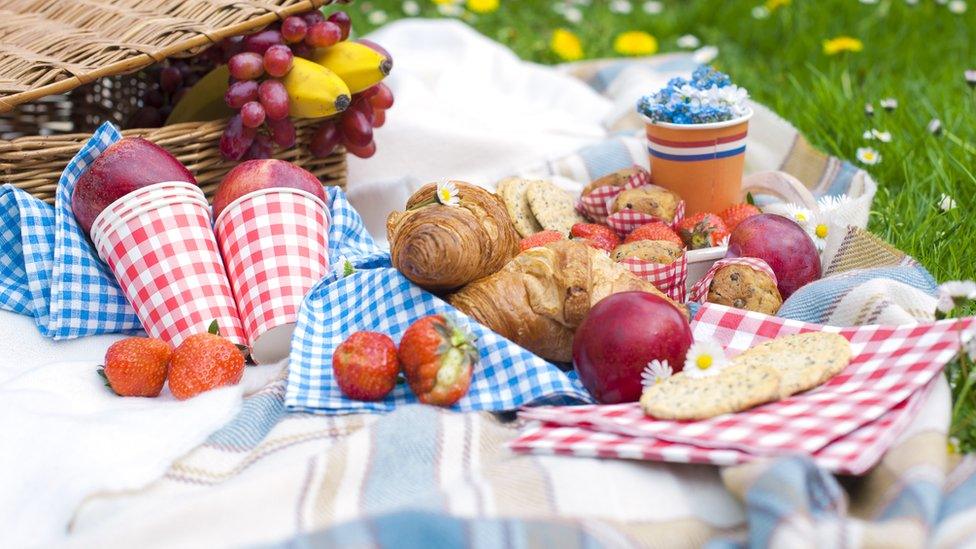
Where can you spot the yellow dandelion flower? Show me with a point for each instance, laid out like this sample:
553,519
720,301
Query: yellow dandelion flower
566,45
635,43
773,5
483,6
842,44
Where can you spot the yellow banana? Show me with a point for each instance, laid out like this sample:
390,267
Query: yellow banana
315,91
205,100
359,65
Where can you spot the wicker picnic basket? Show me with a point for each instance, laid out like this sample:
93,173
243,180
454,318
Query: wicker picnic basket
66,67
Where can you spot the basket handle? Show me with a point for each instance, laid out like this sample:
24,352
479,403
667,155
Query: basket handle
781,185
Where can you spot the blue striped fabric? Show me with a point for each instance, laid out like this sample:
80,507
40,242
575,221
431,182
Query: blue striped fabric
815,301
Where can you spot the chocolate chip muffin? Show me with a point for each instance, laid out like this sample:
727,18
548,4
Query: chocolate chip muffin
655,251
649,199
743,287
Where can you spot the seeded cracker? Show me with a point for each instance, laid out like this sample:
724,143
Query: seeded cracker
737,388
804,360
553,207
512,190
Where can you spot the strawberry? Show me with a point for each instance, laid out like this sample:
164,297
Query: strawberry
204,362
702,230
655,230
597,236
540,239
365,366
735,214
136,366
438,359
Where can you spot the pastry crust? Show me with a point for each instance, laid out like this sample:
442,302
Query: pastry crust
655,251
541,297
743,287
442,247
649,199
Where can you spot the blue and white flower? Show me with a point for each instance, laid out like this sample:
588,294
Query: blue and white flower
709,96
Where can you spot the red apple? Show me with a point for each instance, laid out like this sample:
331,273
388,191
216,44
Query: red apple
783,244
127,165
620,335
255,175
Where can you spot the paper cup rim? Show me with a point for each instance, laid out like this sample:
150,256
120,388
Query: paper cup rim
713,253
271,190
140,202
128,198
708,126
113,223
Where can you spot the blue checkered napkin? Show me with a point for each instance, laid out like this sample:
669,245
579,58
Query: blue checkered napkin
71,293
382,300
349,239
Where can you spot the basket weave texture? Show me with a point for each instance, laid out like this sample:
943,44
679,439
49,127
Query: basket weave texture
67,66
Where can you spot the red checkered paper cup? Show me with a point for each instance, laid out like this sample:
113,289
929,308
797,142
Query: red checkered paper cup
700,290
667,277
596,204
275,243
160,245
625,221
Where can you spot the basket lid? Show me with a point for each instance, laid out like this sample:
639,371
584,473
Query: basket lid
49,48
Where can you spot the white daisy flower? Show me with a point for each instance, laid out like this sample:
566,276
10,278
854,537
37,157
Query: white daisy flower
653,7
705,55
970,76
889,103
688,41
868,135
705,358
955,292
573,14
941,2
655,372
957,6
450,10
411,8
869,109
884,137
377,17
760,12
935,126
830,203
868,156
447,193
621,6
947,203
797,213
869,2
952,445
911,2
819,230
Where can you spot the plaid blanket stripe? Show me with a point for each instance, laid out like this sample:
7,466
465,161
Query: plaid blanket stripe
889,364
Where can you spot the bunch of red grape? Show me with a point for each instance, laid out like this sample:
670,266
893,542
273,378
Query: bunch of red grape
256,63
167,82
354,127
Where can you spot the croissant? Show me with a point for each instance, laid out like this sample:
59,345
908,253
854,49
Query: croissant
541,297
442,247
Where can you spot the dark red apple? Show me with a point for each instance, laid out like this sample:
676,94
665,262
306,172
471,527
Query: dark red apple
127,165
255,175
619,336
783,244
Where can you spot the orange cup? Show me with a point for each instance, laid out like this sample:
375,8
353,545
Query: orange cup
703,163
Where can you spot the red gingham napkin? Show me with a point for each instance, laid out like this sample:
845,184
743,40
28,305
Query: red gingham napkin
625,221
669,278
700,290
275,243
595,205
853,454
889,364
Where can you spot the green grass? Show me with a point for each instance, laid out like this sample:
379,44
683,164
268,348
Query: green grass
916,54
